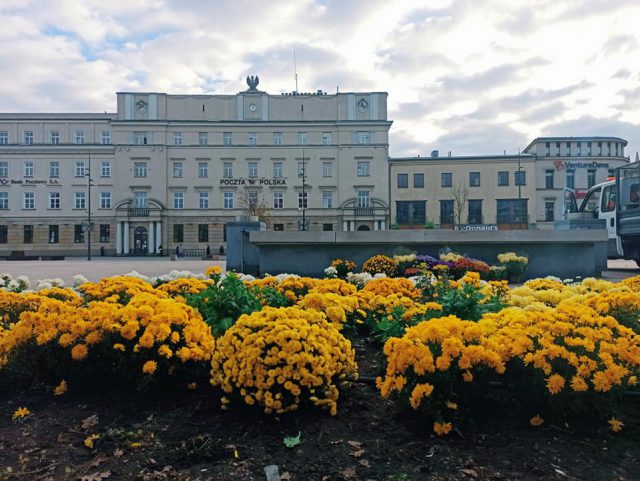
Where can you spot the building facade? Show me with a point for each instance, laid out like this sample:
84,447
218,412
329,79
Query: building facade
169,170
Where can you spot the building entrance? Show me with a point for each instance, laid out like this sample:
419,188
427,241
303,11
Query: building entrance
140,240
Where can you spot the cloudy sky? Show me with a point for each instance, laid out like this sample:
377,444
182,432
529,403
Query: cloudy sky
467,76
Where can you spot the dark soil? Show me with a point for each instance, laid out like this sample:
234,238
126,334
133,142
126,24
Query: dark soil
188,437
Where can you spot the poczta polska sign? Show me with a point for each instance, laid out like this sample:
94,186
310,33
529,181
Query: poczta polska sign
254,182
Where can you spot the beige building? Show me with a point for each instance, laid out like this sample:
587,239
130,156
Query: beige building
169,170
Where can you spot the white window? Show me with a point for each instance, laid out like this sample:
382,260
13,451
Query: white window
327,199
303,200
277,138
54,169
302,138
252,198
28,137
177,138
203,200
54,200
203,138
79,168
363,198
140,199
227,200
105,200
227,170
277,170
106,137
28,168
253,169
28,200
79,200
4,200
139,169
178,200
203,169
54,137
326,138
227,138
177,169
4,137
327,168
364,137
105,169
253,138
363,168
278,199
141,138
302,168
79,135
4,169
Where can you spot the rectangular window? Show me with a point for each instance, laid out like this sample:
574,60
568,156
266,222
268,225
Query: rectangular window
227,138
28,137
203,169
178,200
411,212
548,149
608,148
105,137
278,227
403,181
253,138
327,227
599,148
79,200
54,137
54,169
252,199
591,178
327,168
327,199
616,149
303,200
78,234
475,212
177,169
28,169
363,168
54,200
579,146
79,168
277,170
446,179
177,138
326,138
141,138
521,178
503,178
203,232
139,169
278,199
568,153
178,233
302,138
301,168
79,136
105,169
363,199
549,211
29,200
589,149
227,170
548,179
253,169
4,137
105,200
474,179
227,200
512,211
277,138
54,236
611,173
105,233
4,200
140,199
571,179
4,169
418,181
364,137
203,200
557,148
27,234
4,234
203,138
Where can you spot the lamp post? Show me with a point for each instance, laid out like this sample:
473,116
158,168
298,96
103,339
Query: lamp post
304,180
89,210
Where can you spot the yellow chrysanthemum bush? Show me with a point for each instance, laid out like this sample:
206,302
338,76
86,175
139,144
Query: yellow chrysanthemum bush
434,365
380,265
282,358
180,287
12,304
623,305
118,289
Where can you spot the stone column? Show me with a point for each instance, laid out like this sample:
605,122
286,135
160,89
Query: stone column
118,237
151,243
126,237
158,236
345,225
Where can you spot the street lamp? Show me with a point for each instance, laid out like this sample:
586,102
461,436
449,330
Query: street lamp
304,204
89,226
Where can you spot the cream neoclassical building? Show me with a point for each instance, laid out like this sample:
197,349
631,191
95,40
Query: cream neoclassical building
167,170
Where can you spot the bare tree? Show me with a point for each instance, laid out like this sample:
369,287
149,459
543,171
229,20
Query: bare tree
460,194
255,207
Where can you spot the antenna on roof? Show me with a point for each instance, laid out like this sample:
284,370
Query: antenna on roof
295,68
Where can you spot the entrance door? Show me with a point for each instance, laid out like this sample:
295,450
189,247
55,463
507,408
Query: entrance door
140,238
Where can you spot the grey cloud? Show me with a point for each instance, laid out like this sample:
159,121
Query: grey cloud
623,73
480,138
630,99
402,144
620,43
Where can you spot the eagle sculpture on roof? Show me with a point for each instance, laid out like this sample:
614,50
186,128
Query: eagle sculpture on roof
252,82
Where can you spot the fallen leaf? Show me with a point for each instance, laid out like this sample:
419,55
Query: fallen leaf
358,453
365,463
470,472
348,473
354,444
117,453
100,458
89,422
336,442
96,476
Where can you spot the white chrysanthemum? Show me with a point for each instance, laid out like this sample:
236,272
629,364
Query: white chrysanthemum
43,284
79,279
13,285
57,282
331,271
282,277
137,275
246,277
24,281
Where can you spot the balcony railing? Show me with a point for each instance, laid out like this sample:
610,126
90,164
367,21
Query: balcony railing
364,210
139,212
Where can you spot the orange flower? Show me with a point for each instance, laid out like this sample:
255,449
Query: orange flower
442,429
79,352
61,388
615,425
149,367
536,420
